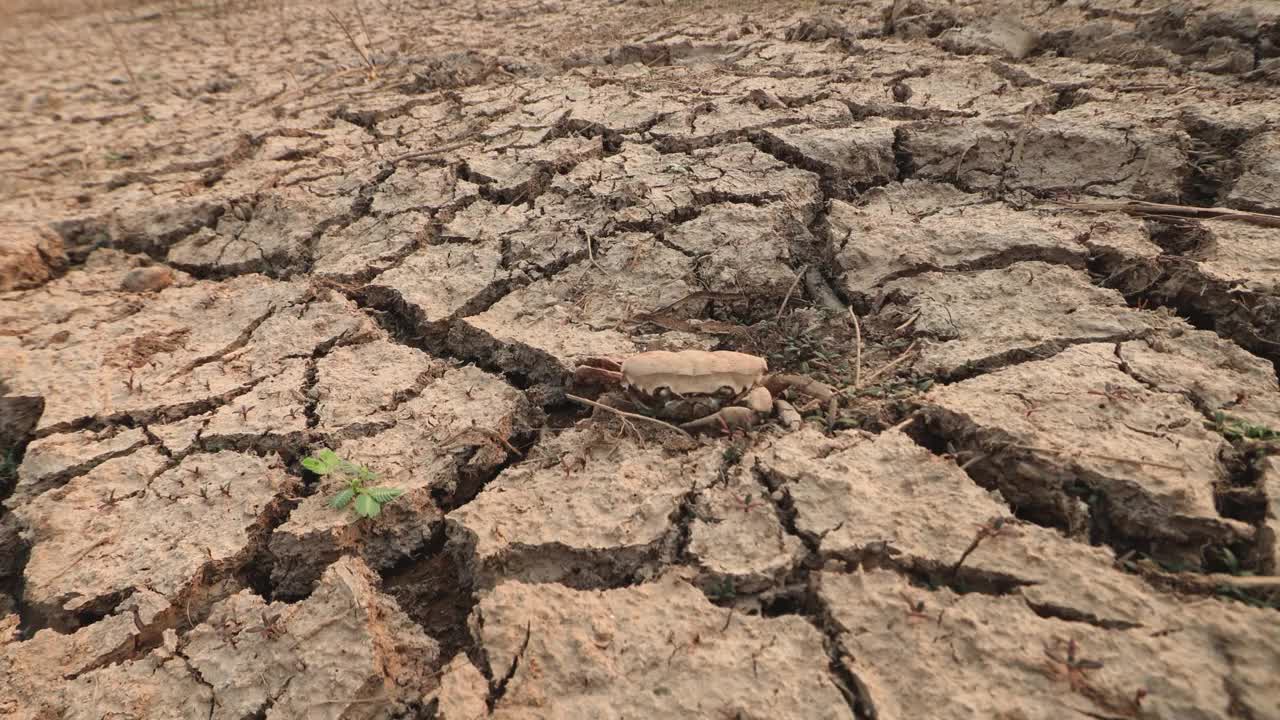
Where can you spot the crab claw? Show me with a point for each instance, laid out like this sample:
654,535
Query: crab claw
598,371
605,363
588,375
725,421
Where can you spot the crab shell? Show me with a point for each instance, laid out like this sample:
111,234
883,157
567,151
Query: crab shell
699,372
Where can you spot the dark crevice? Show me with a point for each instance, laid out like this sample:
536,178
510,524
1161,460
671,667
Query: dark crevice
835,183
1058,493
498,686
1214,160
806,601
432,588
1249,319
56,480
151,416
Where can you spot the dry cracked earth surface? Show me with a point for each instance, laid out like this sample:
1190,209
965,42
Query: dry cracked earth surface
1034,246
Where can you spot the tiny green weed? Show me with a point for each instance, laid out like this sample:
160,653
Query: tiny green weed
368,500
1234,428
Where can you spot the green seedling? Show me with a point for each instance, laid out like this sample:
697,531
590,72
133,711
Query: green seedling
368,500
1234,428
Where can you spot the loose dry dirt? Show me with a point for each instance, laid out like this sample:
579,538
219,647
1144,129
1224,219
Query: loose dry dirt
235,234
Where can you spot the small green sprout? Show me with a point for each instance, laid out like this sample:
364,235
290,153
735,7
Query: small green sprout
368,500
1234,428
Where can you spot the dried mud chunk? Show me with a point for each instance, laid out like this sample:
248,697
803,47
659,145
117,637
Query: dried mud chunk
1106,42
1110,155
521,174
35,669
438,283
542,329
987,657
443,446
30,257
861,496
181,436
142,222
847,157
1258,186
604,515
1215,374
648,189
272,416
1232,280
713,123
369,245
1242,255
422,189
913,227
164,687
1001,35
345,651
452,70
740,248
359,385
51,461
269,234
737,540
926,84
919,19
184,350
658,649
617,107
1269,532
86,294
1078,425
132,523
1040,309
464,691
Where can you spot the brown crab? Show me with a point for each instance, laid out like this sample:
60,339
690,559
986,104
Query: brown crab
701,391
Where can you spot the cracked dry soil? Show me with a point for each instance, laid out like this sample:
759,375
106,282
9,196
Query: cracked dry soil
234,234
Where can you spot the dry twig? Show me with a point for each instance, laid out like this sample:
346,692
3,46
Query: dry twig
629,415
1151,209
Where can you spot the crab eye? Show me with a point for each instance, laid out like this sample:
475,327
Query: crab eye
662,393
726,392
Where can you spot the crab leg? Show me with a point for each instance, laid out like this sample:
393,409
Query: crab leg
725,421
778,384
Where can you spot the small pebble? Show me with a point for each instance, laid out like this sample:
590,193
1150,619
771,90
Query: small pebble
147,279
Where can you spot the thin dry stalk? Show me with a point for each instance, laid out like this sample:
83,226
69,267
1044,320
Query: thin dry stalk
460,142
857,366
787,298
363,28
133,80
1109,458
373,71
591,253
629,415
903,425
1151,209
887,366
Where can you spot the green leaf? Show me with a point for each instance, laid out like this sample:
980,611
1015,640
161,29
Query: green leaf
367,506
340,500
315,465
384,495
323,462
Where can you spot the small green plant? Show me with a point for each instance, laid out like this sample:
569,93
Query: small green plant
1234,428
368,500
